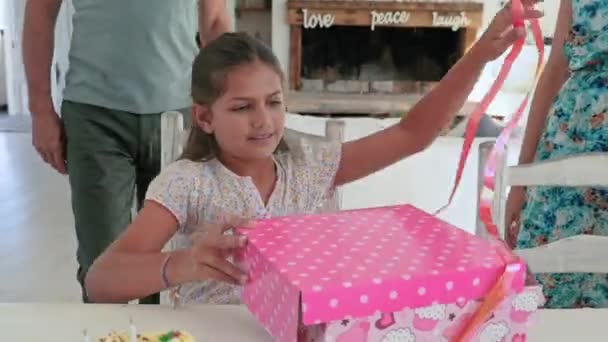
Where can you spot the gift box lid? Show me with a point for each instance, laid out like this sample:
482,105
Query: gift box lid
320,268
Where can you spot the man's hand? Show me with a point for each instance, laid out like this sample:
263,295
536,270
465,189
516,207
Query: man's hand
213,20
49,139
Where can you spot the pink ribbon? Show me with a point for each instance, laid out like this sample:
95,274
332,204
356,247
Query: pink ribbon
517,10
502,288
485,207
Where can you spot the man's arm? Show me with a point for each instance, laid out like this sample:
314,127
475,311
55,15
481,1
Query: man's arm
38,45
213,20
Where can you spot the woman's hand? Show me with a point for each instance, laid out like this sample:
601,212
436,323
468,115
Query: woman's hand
515,204
212,249
501,34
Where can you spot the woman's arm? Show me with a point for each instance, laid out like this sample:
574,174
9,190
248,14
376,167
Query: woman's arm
551,81
428,117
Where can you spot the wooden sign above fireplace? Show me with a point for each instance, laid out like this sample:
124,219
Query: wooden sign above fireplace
324,14
342,33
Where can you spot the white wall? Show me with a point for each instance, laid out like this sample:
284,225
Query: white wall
15,75
16,81
3,90
63,34
3,14
423,180
280,32
547,22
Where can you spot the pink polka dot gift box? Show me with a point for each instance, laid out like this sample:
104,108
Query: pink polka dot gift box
383,274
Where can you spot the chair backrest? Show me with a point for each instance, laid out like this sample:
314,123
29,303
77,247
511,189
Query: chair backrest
498,201
173,136
334,132
576,254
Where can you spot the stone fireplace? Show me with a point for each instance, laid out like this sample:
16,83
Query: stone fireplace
377,47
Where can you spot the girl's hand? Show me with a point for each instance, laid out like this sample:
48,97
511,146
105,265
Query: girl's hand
501,34
515,204
212,249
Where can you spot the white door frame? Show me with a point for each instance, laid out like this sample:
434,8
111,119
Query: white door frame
15,74
63,37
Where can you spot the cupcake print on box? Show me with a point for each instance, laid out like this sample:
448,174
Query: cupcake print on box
524,305
495,332
358,332
400,335
427,318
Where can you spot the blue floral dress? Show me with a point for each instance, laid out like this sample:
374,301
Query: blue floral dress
576,123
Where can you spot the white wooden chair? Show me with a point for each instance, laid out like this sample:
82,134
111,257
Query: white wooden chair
499,199
581,253
576,254
174,136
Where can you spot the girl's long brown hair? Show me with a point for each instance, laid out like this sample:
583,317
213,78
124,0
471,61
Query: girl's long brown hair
209,72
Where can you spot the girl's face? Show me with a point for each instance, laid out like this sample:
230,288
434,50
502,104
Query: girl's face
248,119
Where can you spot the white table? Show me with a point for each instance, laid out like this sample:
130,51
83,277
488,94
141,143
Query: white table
65,322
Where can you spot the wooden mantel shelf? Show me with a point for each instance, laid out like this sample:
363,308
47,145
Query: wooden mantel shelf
358,13
421,5
355,104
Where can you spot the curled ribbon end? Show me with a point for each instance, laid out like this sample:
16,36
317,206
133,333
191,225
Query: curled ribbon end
513,268
517,13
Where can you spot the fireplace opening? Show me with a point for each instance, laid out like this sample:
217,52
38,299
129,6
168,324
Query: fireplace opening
360,56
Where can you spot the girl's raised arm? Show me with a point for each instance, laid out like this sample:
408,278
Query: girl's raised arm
428,117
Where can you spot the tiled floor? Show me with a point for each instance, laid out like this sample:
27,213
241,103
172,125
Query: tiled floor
37,240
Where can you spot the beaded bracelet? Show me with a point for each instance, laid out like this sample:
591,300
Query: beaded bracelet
163,271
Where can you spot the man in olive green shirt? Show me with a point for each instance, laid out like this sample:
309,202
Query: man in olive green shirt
129,61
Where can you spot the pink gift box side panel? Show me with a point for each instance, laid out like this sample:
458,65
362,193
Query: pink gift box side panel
274,302
356,263
394,293
438,323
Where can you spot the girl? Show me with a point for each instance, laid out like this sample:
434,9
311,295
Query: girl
237,164
567,116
